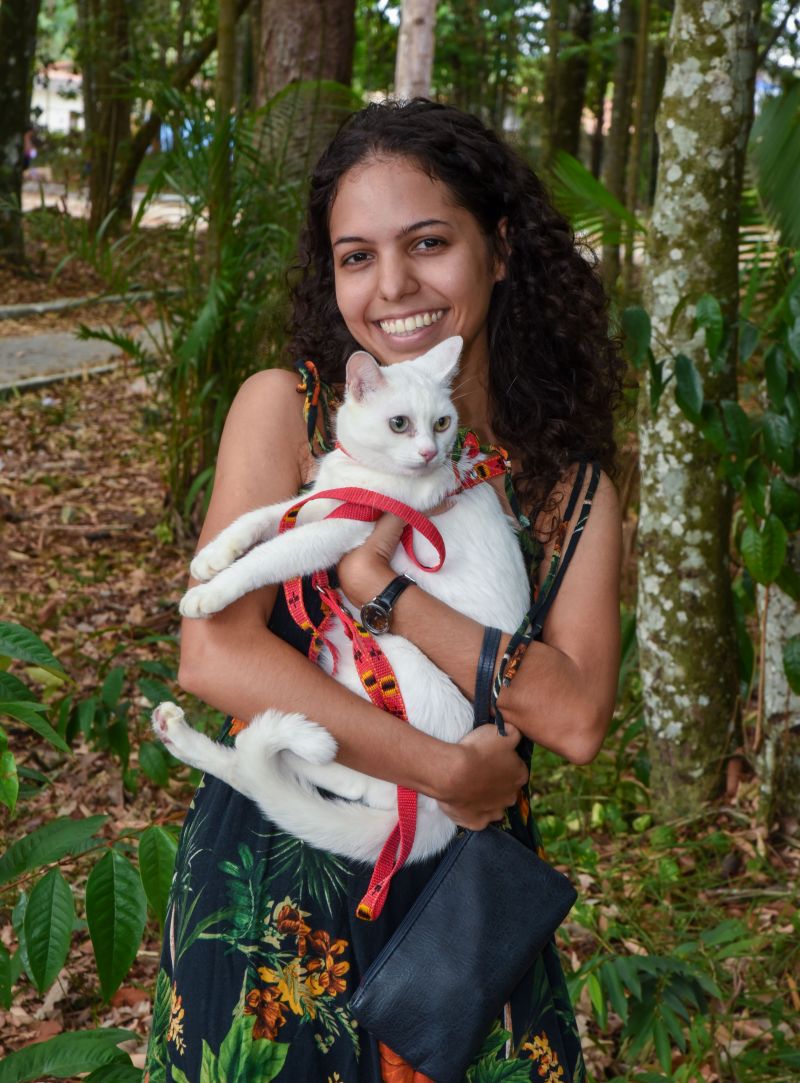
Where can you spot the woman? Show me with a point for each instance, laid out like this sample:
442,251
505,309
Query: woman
421,225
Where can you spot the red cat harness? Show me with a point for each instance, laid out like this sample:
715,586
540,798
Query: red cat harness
375,672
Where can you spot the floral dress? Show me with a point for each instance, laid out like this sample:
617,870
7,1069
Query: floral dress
262,948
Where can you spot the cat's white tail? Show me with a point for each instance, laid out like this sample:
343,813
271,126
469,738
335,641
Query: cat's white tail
258,767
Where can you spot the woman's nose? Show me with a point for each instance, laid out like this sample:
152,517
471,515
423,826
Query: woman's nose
395,279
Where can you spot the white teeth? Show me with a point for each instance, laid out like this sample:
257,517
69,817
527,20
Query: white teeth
410,323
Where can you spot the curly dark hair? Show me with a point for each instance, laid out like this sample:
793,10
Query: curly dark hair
555,372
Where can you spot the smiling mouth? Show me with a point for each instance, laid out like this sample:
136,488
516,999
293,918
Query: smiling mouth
409,324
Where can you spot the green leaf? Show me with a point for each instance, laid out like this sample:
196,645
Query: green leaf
737,425
9,780
708,315
118,1072
12,688
662,1044
748,340
48,927
157,849
597,998
112,687
764,550
20,643
611,980
785,503
153,761
5,977
116,910
774,151
793,339
49,843
688,387
66,1056
777,375
29,714
789,582
779,440
637,329
657,382
791,663
712,428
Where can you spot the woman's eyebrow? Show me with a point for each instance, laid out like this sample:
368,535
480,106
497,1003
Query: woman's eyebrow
423,224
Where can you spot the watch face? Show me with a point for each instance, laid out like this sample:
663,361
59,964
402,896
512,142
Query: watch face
374,618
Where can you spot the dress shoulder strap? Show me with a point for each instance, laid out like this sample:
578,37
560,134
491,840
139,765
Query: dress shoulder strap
531,627
316,409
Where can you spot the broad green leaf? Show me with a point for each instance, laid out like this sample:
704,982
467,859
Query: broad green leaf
708,315
789,582
662,1044
791,663
597,998
118,1072
756,480
764,550
48,927
785,503
637,330
5,977
112,687
66,1055
12,688
116,910
9,779
748,340
153,761
712,428
30,715
793,339
688,387
155,691
779,440
737,425
777,376
49,843
157,849
657,382
611,980
22,644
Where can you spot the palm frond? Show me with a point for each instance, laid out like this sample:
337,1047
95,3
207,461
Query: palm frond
775,154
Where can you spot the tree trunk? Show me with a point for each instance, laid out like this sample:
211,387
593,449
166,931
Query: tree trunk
18,20
113,131
225,89
685,623
304,40
633,176
616,149
415,46
654,86
778,758
571,75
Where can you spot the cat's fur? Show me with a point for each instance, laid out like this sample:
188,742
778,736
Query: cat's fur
280,759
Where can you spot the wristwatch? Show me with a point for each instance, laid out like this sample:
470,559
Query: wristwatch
375,615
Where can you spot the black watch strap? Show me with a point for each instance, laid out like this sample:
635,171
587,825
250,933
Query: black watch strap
484,678
375,615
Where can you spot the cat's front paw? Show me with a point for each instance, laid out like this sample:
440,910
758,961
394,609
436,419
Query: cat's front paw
167,720
201,601
216,557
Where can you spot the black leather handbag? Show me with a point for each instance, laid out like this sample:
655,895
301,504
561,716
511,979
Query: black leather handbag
442,979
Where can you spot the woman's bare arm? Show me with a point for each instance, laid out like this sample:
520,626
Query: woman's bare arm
233,662
564,692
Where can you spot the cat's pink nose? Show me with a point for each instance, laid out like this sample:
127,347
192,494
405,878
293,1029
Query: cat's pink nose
427,453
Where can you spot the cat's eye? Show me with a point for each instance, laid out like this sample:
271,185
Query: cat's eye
442,424
398,424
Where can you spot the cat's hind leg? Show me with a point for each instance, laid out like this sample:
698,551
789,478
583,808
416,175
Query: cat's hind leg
236,539
192,747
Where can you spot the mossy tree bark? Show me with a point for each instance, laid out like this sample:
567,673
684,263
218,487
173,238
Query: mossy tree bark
416,42
685,623
18,20
615,152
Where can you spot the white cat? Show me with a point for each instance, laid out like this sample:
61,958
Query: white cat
398,426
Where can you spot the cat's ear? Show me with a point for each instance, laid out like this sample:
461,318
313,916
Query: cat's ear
442,360
363,374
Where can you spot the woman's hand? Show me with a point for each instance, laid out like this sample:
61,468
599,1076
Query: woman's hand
487,777
365,571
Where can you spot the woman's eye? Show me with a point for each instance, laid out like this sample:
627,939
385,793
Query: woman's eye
355,258
430,243
442,424
398,424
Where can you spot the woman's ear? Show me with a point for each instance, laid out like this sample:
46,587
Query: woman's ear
502,251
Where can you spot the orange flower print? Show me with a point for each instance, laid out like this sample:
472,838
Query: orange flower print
545,1059
523,805
264,1004
396,1070
176,1014
289,921
325,974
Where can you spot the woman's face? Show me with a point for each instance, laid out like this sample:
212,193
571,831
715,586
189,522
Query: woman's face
410,268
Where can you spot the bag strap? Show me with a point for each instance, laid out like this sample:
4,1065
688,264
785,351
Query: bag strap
531,627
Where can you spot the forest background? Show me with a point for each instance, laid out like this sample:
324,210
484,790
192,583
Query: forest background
164,224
